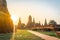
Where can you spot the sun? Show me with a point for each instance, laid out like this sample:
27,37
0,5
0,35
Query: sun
14,18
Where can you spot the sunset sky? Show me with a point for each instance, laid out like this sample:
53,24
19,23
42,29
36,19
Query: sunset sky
38,9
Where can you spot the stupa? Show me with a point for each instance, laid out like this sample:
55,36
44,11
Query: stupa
6,23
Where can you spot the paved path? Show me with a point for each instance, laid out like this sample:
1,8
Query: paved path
43,36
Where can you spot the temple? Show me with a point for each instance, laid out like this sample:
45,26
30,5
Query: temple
6,24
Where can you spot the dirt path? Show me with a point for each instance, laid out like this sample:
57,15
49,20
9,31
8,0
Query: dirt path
43,36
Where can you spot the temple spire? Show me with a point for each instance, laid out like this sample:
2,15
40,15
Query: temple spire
45,24
19,23
3,6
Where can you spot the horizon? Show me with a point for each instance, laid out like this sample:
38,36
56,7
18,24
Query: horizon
38,9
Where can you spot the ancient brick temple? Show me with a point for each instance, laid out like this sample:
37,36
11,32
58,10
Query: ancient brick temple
6,24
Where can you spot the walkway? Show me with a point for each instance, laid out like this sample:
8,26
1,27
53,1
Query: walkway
43,36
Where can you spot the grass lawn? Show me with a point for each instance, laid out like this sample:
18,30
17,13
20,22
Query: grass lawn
6,36
19,35
25,35
49,33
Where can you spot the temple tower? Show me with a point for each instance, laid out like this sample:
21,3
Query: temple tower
6,24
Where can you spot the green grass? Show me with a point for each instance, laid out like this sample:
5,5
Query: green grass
19,35
50,33
5,36
25,35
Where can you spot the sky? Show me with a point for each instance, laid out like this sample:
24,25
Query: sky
38,9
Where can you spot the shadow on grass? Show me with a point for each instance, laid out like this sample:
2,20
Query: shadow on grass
6,36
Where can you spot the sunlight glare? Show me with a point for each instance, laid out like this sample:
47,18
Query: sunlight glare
15,19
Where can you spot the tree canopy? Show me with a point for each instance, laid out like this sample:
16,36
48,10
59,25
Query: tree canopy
52,22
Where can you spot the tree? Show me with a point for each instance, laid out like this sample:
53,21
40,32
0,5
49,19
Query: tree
52,22
22,26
